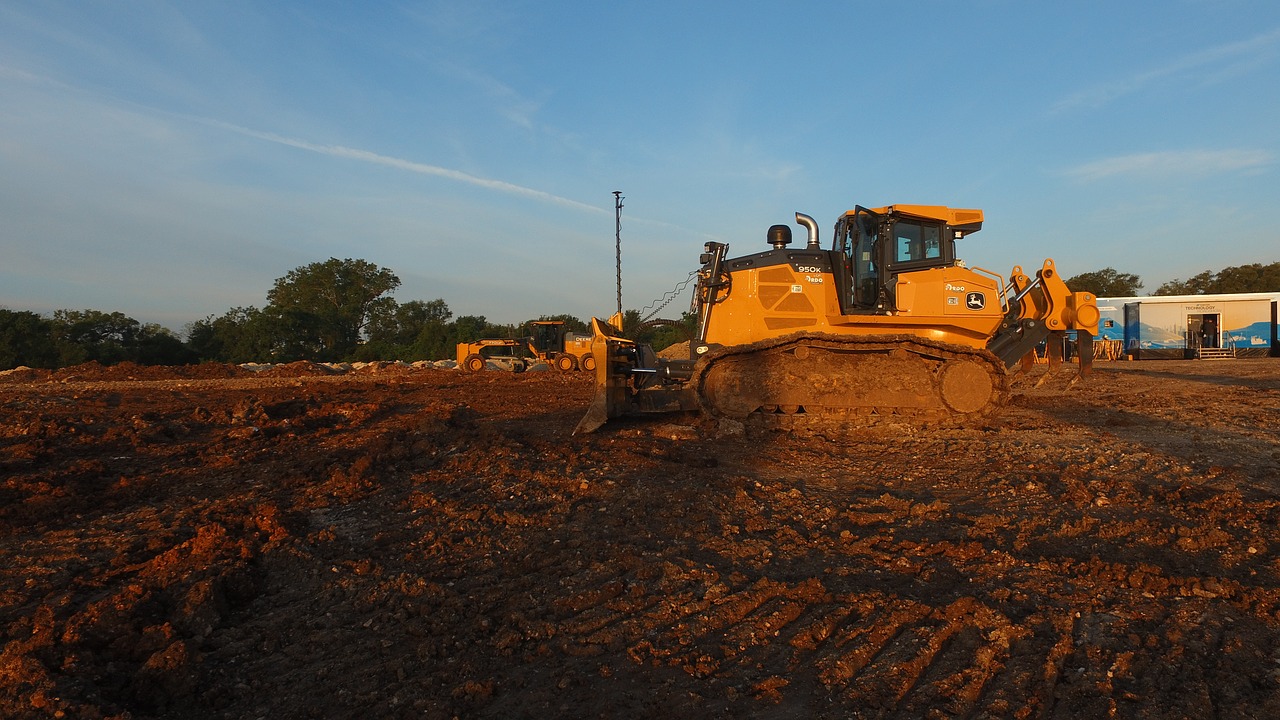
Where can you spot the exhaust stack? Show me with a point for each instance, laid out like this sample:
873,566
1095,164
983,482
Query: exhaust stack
812,226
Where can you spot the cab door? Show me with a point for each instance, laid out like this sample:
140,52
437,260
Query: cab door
858,244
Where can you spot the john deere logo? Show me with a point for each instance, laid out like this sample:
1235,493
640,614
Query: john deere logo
975,300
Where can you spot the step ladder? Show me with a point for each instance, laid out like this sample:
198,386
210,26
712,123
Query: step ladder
1204,353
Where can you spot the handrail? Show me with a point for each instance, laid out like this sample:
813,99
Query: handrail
1004,302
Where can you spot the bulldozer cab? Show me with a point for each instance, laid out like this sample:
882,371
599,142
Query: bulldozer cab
877,245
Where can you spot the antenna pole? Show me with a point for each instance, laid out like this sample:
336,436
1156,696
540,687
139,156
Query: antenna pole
617,215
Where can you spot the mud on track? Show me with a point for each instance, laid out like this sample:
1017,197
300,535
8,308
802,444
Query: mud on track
201,543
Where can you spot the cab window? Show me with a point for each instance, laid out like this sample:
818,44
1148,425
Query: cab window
916,242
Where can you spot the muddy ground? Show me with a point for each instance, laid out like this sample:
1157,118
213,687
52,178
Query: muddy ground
416,543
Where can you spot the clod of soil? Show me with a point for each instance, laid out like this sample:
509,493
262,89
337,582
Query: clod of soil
205,542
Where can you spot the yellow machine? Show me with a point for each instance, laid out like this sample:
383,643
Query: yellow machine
474,356
549,343
887,323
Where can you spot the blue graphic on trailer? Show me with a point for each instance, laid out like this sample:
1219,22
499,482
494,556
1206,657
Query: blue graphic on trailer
1255,335
1153,337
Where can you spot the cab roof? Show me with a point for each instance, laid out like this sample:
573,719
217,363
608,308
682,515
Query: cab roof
960,219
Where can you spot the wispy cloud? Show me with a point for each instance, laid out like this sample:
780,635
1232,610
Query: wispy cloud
19,75
340,151
1190,163
510,104
1215,63
461,34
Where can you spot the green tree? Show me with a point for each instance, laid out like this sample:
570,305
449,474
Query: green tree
432,341
673,332
571,323
1106,282
241,335
111,338
1196,285
631,329
158,345
401,324
415,330
300,335
26,339
470,328
326,306
657,333
84,335
1255,277
1249,278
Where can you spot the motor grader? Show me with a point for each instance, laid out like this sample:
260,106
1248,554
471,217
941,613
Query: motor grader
887,325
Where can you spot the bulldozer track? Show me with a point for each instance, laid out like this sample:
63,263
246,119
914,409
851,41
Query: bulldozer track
825,382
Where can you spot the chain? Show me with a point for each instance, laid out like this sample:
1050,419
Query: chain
667,297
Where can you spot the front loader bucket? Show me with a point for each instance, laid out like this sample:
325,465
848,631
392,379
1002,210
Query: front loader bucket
612,355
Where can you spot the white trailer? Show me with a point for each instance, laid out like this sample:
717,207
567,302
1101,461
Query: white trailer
1192,326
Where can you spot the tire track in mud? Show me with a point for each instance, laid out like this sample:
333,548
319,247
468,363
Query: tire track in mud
900,657
1045,590
868,649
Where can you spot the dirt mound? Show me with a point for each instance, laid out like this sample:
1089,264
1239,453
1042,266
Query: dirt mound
679,351
24,374
436,545
299,368
96,372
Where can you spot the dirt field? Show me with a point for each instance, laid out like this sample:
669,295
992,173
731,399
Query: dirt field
206,543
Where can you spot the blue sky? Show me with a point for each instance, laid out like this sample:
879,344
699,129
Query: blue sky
170,160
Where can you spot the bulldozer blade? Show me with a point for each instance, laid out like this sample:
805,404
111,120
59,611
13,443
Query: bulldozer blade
611,375
597,415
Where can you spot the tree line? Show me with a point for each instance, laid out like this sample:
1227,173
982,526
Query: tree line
336,310
1255,277
342,310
